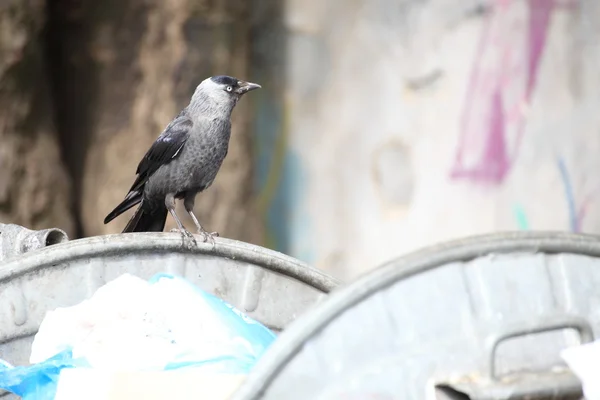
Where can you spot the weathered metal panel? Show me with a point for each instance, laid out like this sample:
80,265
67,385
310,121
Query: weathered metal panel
269,286
486,316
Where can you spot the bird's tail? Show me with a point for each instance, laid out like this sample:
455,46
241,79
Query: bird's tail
145,220
131,200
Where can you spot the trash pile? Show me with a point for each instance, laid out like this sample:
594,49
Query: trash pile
140,339
584,361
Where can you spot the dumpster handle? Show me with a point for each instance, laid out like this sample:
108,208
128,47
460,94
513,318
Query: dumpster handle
582,326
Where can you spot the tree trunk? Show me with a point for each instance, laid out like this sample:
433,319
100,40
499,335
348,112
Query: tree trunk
124,70
34,186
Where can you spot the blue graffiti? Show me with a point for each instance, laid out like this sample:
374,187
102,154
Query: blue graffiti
568,188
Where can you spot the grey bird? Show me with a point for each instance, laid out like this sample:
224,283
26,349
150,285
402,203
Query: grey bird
185,158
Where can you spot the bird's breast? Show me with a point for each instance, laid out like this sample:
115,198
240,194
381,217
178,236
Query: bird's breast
204,158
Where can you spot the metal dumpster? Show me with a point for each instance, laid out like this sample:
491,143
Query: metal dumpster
481,318
269,286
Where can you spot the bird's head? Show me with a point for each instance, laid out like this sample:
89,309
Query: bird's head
225,89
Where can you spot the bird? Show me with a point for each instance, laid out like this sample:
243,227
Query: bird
184,160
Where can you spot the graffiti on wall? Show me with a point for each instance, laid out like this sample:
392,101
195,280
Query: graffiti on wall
577,209
500,89
520,217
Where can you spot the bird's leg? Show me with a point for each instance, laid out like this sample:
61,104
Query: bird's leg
170,204
188,203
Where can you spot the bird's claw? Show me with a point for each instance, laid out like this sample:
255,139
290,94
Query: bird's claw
187,236
208,236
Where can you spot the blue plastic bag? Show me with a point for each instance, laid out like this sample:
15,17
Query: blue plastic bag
37,382
256,337
245,340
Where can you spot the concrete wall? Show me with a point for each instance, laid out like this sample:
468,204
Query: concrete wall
393,124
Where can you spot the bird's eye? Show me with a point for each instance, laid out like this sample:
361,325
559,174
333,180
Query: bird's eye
229,88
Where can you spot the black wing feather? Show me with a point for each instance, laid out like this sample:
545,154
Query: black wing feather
166,148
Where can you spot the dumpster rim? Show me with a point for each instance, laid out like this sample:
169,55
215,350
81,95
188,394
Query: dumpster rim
165,242
301,330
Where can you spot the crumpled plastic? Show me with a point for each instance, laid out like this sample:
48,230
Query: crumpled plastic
39,381
584,361
131,324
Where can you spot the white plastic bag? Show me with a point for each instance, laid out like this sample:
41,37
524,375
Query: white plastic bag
134,325
584,361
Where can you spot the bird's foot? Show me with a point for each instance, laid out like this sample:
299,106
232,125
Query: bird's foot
187,237
208,236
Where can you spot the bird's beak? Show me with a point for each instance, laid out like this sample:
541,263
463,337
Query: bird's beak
245,87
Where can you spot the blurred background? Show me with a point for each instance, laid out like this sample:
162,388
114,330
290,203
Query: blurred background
382,126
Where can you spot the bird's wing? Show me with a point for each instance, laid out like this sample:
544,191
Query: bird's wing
166,148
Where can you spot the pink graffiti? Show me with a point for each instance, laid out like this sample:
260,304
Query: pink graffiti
582,211
500,89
